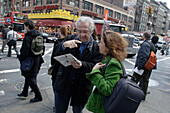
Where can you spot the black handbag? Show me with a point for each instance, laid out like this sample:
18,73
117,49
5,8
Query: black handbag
126,96
27,64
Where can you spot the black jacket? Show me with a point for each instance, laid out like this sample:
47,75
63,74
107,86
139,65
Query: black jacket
79,88
144,53
25,52
4,32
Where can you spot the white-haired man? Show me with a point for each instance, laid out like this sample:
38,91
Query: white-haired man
70,82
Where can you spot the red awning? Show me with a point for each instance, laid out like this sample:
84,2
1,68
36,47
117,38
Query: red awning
53,22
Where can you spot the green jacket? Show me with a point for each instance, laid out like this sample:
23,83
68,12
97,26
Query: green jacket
104,85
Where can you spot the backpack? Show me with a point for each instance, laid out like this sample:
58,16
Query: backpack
126,96
37,46
150,64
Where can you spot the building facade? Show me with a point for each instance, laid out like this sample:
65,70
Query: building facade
141,17
92,8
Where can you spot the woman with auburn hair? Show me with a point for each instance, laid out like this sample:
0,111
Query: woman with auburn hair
104,77
63,32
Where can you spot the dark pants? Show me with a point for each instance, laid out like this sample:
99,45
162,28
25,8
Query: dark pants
62,102
15,48
145,80
32,82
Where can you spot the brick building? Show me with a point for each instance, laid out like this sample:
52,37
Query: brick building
92,8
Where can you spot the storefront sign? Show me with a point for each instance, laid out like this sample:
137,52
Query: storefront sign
46,7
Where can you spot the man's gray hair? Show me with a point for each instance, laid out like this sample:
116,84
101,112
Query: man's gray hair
86,19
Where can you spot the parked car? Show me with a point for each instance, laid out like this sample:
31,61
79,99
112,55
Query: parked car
48,39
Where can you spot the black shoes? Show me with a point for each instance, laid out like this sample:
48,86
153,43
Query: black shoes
22,95
36,99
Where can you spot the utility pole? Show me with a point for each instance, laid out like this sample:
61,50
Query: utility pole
61,4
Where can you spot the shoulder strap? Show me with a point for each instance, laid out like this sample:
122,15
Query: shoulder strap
151,46
123,69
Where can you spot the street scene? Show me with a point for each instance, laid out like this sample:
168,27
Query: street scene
84,56
11,84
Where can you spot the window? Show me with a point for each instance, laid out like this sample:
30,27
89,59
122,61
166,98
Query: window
26,3
26,11
37,11
117,15
52,1
38,2
74,3
130,19
124,17
110,13
87,5
129,28
99,9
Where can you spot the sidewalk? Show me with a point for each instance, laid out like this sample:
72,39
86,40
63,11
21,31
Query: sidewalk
156,102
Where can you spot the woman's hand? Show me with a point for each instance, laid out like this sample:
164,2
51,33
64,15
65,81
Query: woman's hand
98,66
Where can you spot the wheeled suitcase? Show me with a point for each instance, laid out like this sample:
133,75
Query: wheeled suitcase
125,98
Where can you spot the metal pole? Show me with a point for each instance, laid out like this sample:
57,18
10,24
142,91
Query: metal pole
60,4
7,7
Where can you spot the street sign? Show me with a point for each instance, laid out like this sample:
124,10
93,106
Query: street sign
8,20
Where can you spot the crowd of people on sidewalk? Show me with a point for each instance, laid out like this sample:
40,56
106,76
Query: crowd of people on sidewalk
82,83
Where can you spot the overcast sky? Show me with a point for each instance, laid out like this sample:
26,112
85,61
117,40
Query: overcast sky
167,1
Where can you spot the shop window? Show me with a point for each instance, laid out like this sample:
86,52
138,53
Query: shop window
38,2
99,9
26,12
87,5
26,3
74,3
129,28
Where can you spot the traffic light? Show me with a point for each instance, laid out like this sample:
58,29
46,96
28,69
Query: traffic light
147,10
150,8
152,11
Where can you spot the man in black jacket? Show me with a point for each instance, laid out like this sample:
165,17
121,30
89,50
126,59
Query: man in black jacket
25,52
142,58
4,36
71,83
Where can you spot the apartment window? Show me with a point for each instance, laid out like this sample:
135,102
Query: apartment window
87,5
130,19
110,13
99,9
117,15
129,28
38,2
124,17
26,3
74,3
52,1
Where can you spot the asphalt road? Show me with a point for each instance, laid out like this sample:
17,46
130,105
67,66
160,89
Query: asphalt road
11,81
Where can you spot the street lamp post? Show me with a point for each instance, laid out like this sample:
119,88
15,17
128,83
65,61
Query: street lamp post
74,11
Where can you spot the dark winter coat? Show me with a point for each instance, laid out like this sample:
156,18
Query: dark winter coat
25,52
144,53
79,87
4,32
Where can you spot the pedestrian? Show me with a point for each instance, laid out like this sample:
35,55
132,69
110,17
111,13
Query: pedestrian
167,49
4,36
54,63
163,48
154,40
71,82
113,47
142,57
95,37
25,52
12,37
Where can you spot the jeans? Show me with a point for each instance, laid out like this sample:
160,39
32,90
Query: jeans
62,102
145,80
15,48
